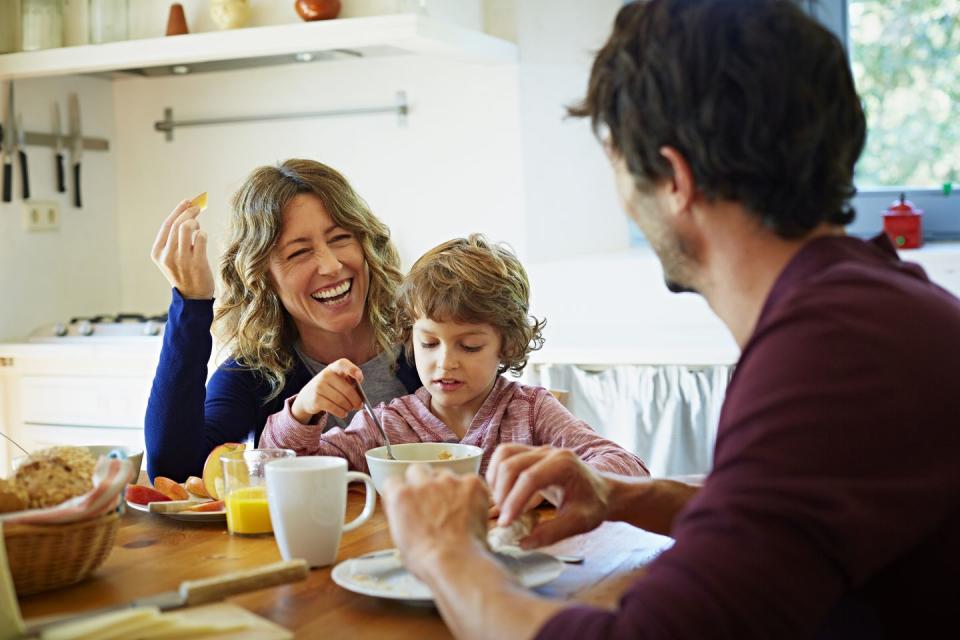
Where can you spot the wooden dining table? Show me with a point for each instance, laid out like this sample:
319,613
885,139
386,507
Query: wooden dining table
154,553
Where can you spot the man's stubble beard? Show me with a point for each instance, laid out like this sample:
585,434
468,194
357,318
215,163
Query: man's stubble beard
675,256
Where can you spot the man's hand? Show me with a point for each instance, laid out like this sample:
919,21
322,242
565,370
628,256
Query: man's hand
434,516
518,472
494,512
180,251
439,523
333,390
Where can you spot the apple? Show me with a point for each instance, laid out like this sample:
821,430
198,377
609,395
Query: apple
195,486
169,488
213,468
139,494
215,505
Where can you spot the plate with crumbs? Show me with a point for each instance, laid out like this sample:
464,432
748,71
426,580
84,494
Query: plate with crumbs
381,574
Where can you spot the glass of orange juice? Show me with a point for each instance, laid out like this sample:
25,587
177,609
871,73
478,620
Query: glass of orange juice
245,492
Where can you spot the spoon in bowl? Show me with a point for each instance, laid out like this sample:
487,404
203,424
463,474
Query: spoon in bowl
376,421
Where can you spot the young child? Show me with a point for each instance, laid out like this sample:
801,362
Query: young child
463,316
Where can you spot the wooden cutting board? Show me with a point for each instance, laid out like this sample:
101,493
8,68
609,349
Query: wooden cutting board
259,628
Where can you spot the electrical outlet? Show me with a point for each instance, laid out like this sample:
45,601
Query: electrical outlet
41,216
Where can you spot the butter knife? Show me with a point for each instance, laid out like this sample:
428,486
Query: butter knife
193,592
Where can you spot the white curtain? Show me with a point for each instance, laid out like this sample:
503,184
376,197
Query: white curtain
666,414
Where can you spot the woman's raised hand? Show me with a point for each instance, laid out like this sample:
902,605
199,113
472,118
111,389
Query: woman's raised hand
180,251
333,390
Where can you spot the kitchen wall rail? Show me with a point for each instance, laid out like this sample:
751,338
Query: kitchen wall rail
50,140
401,108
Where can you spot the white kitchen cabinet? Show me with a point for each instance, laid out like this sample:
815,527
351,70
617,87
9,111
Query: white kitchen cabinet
74,394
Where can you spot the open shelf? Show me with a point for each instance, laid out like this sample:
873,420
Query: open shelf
403,34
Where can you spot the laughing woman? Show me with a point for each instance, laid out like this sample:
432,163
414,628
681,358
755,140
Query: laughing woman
309,277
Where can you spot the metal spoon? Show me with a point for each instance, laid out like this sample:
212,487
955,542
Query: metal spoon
376,421
14,442
562,558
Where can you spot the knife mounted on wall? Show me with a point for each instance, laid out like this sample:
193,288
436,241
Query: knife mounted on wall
58,150
76,146
9,142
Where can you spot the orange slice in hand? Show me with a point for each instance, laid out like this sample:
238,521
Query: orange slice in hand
200,201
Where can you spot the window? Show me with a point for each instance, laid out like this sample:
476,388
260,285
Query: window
905,56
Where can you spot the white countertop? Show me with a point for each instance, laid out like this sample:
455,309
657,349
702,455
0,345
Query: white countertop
95,351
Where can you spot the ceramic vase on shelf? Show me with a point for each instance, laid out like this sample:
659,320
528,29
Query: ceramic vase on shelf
230,14
177,21
311,10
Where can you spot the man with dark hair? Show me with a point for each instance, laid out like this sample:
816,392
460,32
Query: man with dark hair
833,506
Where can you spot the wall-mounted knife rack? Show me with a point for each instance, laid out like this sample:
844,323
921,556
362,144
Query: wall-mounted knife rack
50,140
168,124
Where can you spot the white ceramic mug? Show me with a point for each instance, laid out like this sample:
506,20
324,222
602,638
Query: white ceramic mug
308,502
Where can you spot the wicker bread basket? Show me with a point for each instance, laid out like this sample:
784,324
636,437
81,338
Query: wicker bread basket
49,556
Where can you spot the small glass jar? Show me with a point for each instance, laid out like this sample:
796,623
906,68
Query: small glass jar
41,24
9,27
109,20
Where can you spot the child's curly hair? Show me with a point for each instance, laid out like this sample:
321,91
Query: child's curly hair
472,280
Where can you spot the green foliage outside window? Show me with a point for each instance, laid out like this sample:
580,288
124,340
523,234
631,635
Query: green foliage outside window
906,63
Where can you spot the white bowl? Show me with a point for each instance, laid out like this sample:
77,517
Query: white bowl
464,459
134,455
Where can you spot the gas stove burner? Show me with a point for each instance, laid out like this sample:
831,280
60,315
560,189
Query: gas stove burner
120,317
103,328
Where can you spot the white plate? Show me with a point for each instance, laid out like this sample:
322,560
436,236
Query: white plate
187,516
382,575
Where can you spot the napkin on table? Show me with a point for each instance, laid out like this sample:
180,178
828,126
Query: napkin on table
110,478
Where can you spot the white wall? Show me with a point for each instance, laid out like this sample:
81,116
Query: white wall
571,205
453,169
615,309
486,148
49,277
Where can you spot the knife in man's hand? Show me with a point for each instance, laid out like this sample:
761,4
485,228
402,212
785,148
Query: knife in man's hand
194,592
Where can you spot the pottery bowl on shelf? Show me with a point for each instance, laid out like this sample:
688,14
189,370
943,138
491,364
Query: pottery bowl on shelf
311,10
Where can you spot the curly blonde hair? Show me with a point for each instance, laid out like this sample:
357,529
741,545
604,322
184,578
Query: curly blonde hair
472,280
250,320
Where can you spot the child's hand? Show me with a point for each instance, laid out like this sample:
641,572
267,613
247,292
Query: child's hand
333,390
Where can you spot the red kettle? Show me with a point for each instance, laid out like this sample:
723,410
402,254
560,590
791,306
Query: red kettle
903,224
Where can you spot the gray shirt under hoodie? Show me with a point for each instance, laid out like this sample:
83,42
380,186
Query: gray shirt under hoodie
380,382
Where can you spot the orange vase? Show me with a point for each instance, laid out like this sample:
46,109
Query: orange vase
176,21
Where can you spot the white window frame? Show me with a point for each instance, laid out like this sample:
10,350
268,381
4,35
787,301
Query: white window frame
941,220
